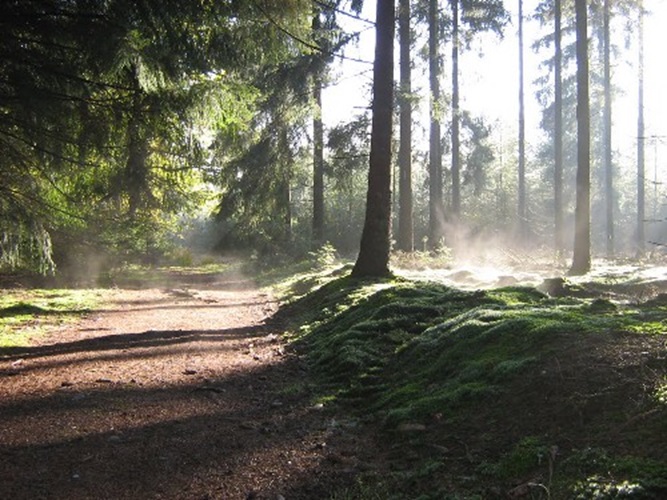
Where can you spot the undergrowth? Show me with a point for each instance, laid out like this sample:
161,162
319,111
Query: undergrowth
515,381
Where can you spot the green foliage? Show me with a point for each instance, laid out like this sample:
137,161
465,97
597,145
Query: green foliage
100,136
349,144
24,244
367,487
441,257
324,256
607,477
602,488
485,15
527,456
141,239
661,392
477,152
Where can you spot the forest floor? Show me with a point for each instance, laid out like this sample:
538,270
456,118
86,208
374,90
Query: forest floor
182,390
181,385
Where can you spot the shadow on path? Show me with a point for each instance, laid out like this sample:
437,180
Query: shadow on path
227,438
241,424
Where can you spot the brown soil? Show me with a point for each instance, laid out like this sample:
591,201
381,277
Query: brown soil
179,392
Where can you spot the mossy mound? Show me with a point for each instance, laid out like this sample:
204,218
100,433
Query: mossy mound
496,392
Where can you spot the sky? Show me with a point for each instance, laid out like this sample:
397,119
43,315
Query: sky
489,82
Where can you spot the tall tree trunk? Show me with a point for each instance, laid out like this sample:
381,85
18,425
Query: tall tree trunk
286,202
641,217
373,259
559,233
318,164
135,179
608,165
285,191
83,135
318,137
405,222
581,261
522,212
436,206
456,160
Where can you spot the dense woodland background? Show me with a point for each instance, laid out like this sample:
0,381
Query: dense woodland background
150,130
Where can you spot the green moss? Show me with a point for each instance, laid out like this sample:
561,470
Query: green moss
415,352
595,473
517,295
418,332
649,327
470,356
524,459
467,343
602,306
661,392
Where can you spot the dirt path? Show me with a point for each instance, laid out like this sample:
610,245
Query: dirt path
168,393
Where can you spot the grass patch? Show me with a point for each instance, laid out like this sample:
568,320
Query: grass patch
25,314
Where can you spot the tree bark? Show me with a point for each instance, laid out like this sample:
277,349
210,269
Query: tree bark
456,142
641,217
318,164
559,233
285,194
436,205
608,165
581,261
522,212
405,222
135,180
373,259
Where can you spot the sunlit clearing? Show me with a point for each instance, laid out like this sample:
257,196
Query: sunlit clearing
481,263
493,266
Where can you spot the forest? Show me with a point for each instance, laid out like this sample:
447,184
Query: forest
187,131
389,249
